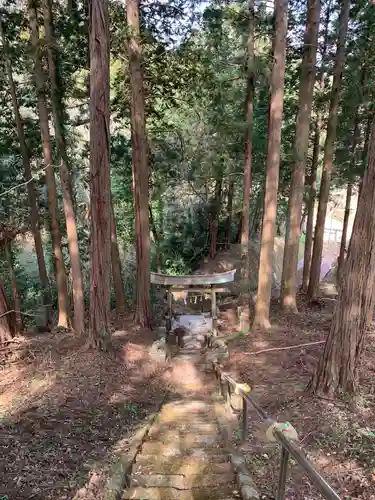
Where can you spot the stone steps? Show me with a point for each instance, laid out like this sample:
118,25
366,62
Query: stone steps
175,494
197,455
184,457
189,351
186,439
182,428
180,481
179,448
185,466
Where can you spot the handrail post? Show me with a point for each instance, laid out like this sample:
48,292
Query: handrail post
283,432
226,392
283,473
228,395
223,387
245,408
220,384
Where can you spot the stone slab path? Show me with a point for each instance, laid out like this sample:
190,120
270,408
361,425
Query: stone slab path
184,456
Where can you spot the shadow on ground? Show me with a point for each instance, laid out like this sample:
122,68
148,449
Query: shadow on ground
66,413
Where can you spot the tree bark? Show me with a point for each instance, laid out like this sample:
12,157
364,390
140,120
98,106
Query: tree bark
370,118
367,139
310,207
6,325
140,166
156,238
118,282
228,235
62,289
353,143
303,217
214,217
239,229
66,188
247,177
100,197
329,149
255,221
315,160
15,296
161,218
273,163
341,259
337,370
301,144
31,190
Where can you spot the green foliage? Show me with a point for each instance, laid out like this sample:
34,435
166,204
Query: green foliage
194,63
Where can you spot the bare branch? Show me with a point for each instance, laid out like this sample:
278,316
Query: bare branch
32,178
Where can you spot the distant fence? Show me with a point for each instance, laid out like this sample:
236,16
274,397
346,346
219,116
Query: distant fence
331,234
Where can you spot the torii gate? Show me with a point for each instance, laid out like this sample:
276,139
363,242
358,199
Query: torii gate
200,283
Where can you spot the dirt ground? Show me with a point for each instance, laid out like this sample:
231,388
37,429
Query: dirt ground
66,413
229,259
338,439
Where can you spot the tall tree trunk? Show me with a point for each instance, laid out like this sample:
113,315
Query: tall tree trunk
367,139
273,163
341,259
329,149
228,234
255,222
31,191
303,217
247,177
239,229
301,144
337,370
118,282
156,238
315,159
100,188
6,324
310,207
62,289
66,188
370,118
140,166
214,217
13,282
161,217
353,143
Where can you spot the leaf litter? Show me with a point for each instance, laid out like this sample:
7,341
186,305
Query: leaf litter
66,412
338,437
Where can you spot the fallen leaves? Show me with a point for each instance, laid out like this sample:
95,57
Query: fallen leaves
62,415
339,440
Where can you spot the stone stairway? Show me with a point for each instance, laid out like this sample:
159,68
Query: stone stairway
184,456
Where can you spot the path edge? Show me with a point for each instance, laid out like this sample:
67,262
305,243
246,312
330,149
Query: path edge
121,469
228,422
244,479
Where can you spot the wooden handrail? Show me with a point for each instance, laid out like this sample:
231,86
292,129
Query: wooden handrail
288,446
